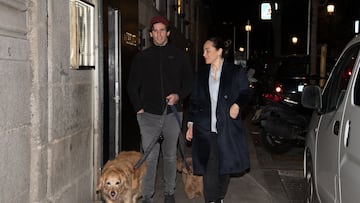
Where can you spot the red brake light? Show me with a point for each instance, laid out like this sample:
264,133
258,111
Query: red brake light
272,97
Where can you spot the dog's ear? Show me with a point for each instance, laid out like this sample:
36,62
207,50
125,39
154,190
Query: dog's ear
190,165
100,184
189,161
179,165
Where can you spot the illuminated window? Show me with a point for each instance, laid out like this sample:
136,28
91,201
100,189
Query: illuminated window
179,5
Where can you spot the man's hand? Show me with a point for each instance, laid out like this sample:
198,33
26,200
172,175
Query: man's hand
172,99
189,133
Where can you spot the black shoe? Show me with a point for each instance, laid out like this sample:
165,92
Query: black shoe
169,199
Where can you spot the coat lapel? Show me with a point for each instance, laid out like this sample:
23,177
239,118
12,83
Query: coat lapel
224,80
206,81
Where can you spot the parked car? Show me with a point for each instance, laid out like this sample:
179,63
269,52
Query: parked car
293,74
282,79
332,149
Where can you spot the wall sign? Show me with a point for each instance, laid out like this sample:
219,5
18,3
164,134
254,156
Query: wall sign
82,52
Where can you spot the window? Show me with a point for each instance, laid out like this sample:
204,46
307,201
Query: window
82,34
335,90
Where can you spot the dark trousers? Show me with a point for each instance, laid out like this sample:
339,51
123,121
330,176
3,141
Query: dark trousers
215,184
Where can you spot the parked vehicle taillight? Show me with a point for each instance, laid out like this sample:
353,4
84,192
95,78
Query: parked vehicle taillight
272,97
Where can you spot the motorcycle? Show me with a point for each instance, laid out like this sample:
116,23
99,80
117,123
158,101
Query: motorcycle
283,125
282,119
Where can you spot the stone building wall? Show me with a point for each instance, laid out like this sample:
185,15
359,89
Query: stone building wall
46,122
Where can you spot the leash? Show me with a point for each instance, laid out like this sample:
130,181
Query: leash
173,109
160,139
147,151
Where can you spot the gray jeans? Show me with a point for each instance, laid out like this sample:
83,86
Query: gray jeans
151,126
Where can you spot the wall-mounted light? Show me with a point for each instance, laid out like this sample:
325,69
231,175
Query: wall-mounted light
294,40
179,5
330,8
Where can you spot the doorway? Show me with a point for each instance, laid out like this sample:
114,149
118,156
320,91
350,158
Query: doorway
112,137
120,125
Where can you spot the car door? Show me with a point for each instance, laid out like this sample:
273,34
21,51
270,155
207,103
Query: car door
349,158
330,125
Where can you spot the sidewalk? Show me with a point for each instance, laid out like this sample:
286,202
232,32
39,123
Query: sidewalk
257,186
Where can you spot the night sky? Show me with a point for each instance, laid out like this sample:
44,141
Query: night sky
225,14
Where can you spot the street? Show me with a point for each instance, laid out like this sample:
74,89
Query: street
271,179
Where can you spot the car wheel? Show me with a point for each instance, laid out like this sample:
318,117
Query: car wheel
274,144
310,191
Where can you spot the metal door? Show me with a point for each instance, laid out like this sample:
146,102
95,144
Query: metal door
114,83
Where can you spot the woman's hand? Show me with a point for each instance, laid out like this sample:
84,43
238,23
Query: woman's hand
234,111
189,133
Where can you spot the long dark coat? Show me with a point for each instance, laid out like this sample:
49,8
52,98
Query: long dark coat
234,88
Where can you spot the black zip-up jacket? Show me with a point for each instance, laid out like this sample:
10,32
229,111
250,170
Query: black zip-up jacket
157,72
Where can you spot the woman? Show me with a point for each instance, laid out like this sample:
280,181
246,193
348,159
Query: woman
219,146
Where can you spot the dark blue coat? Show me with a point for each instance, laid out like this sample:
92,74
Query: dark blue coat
234,88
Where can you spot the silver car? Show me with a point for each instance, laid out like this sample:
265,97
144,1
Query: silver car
332,151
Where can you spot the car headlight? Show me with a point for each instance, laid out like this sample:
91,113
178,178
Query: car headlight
300,88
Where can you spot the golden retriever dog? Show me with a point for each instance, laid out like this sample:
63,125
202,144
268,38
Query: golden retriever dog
193,184
119,182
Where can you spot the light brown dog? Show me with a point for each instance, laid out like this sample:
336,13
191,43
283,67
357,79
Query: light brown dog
119,182
193,184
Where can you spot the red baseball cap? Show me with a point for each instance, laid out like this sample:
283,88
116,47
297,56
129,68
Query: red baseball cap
159,19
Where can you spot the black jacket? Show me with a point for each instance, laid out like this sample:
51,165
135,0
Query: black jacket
234,155
157,72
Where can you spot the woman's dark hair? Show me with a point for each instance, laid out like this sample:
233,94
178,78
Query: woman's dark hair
218,43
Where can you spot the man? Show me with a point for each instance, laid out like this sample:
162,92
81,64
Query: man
160,76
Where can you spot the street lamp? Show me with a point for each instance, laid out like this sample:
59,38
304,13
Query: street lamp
294,40
330,8
248,30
